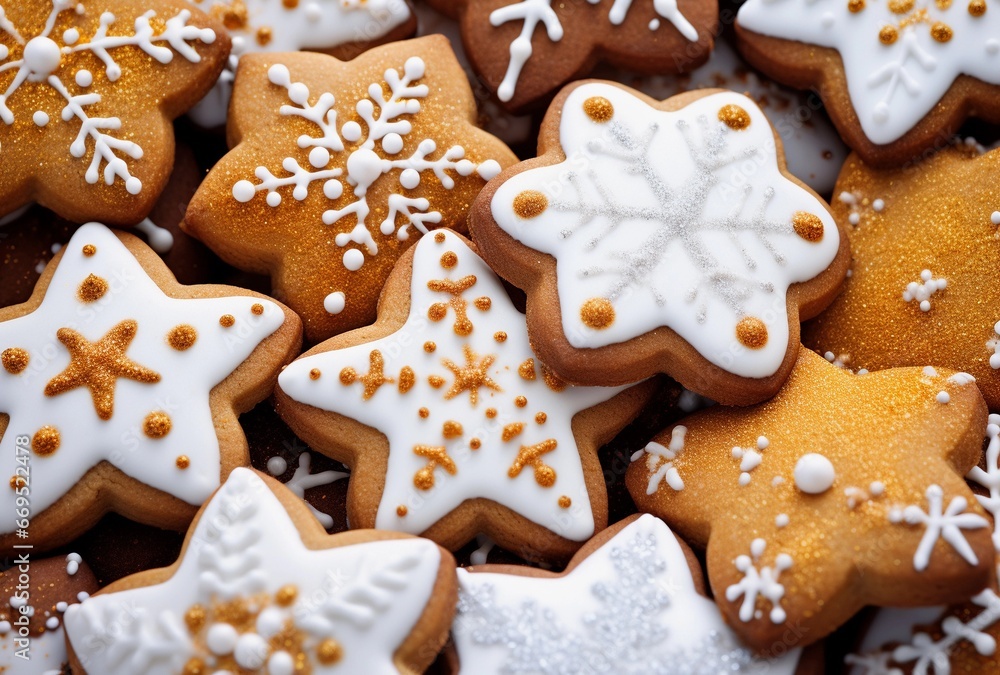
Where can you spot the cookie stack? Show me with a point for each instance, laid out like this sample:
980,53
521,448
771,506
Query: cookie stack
380,340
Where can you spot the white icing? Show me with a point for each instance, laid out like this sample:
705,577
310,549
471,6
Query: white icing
367,596
321,25
921,291
47,653
892,87
481,472
335,302
763,583
185,377
814,473
73,561
481,555
677,220
630,607
303,479
42,61
160,239
941,523
660,461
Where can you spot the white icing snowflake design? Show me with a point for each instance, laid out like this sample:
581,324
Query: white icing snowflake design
535,12
660,461
899,58
630,607
941,523
384,124
41,59
762,583
678,219
304,479
356,603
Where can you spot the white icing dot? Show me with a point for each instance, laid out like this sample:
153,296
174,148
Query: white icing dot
273,199
221,639
878,205
930,371
277,466
654,24
782,520
489,169
814,473
392,143
762,442
41,55
298,93
4,627
333,189
40,118
335,302
84,78
243,191
133,185
62,606
70,36
4,52
281,663
17,602
410,178
251,651
943,397
278,74
854,218
82,595
271,621
776,481
73,561
995,217
52,623
414,67
876,489
319,157
353,260
351,132
744,479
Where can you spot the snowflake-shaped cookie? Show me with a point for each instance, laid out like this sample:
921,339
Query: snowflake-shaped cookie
468,432
674,239
341,28
338,167
887,64
87,93
116,381
261,588
843,510
628,603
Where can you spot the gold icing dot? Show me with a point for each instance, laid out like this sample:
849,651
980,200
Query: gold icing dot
734,117
183,462
329,652
941,31
439,237
449,260
92,288
888,35
15,360
500,336
182,337
227,320
157,424
483,303
17,482
437,311
286,595
475,444
435,381
530,204
315,374
45,441
194,666
491,412
599,109
89,250
597,313
348,375
751,332
263,36
855,6
429,347
565,502
977,7
195,618
540,418
451,429
424,479
900,6
520,401
808,226
257,308
942,4
424,413
407,378
290,4
527,369
545,475
401,511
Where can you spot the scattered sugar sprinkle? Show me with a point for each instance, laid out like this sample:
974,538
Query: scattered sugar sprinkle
73,561
923,290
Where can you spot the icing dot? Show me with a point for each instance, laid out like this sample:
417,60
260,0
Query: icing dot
319,157
814,473
878,205
734,117
520,401
221,639
41,55
424,413
500,336
808,226
183,461
277,466
157,424
351,132
855,6
439,237
273,199
133,185
995,218
251,651
332,189
407,378
977,7
40,118
195,618
70,36
89,250
429,347
599,109
565,502
491,412
943,397
227,320
335,302
888,35
751,332
244,191
530,204
17,482
392,143
92,288
257,309
281,663
314,374
401,511
45,441
15,360
263,36
182,337
483,303
437,311
354,259
900,6
84,78
654,24
451,429
329,652
449,260
941,31
475,443
409,179
540,418
597,313
435,381
286,595
348,375
782,520
527,369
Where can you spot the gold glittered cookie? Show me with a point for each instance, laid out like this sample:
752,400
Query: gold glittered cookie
842,491
88,90
926,245
338,167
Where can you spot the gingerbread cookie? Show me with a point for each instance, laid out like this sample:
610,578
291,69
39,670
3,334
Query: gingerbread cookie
341,29
450,424
925,243
261,588
121,388
525,50
89,90
897,77
632,601
842,491
662,237
34,595
325,191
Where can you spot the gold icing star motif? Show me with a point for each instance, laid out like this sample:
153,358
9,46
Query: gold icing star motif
472,376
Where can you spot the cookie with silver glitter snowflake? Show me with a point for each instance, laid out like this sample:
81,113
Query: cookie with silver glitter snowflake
662,237
525,50
338,167
843,491
88,90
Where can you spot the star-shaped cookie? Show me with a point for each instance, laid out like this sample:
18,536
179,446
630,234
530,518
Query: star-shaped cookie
525,50
924,243
451,426
88,90
662,237
337,168
897,77
842,491
120,388
631,601
261,588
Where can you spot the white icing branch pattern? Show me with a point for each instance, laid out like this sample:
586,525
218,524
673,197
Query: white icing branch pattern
660,461
763,583
303,479
941,523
